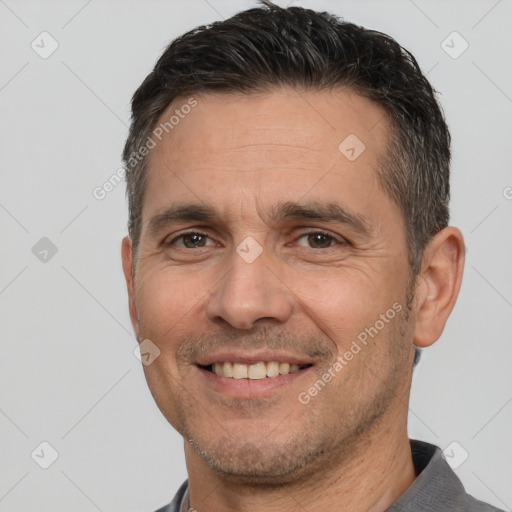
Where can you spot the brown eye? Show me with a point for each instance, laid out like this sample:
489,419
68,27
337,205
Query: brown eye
191,241
319,240
194,240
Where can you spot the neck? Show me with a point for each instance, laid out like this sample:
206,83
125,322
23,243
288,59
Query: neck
378,471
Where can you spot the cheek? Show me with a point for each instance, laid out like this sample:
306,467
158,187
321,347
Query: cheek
342,296
166,301
345,304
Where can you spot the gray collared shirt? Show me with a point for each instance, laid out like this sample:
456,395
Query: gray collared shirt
436,488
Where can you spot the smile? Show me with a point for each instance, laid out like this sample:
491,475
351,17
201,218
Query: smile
256,371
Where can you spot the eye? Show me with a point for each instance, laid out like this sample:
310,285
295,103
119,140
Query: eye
317,240
191,240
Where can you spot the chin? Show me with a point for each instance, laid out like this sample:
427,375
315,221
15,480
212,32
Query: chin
261,463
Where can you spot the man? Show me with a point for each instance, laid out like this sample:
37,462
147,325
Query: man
288,254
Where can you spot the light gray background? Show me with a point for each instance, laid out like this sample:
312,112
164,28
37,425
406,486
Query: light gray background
67,372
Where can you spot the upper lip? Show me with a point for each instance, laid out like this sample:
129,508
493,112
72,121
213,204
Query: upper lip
234,356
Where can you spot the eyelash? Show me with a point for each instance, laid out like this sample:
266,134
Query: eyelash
336,240
187,233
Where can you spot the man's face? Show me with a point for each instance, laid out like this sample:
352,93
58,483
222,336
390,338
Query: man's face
263,242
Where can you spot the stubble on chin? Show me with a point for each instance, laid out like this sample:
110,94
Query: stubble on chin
302,440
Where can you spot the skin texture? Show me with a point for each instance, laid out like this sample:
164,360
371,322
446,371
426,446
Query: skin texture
260,451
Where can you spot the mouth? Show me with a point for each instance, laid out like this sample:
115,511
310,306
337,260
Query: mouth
256,371
252,375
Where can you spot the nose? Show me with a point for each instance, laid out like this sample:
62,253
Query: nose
249,292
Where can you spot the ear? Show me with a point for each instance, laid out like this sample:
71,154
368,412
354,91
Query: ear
438,285
127,258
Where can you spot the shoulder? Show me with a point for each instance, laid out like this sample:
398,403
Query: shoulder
175,505
474,505
437,487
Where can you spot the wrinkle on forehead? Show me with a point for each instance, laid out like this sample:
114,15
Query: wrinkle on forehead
272,162
228,121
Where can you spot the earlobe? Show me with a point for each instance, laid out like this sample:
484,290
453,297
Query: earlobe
127,260
439,285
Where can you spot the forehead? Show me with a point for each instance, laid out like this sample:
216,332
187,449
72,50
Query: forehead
306,120
278,145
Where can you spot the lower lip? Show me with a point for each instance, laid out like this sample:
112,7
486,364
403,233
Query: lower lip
250,388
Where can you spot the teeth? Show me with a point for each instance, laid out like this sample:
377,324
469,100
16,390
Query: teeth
255,371
272,369
227,370
284,368
240,371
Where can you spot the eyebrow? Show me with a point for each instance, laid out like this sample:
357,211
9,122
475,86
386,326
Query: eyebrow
180,213
324,212
288,211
